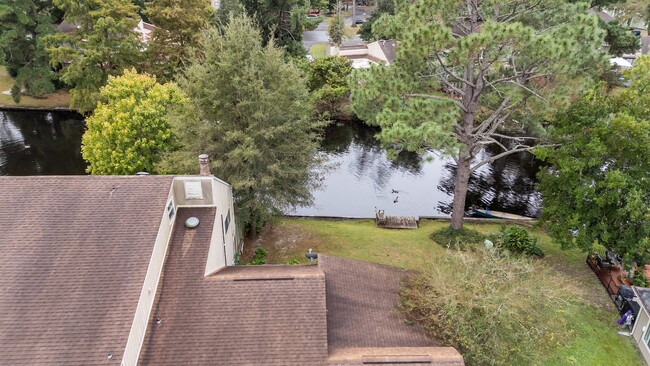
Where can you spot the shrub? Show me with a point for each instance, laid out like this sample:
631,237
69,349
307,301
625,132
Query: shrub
292,261
518,240
495,309
457,239
260,256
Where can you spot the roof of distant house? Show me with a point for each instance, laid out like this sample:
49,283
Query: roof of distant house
73,254
645,45
601,14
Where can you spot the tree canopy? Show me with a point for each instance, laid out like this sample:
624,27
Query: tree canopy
596,188
103,44
336,30
282,20
472,73
251,114
23,23
129,130
178,26
620,39
327,82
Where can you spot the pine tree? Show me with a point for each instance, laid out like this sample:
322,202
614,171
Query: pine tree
103,44
472,73
251,114
178,26
336,30
23,23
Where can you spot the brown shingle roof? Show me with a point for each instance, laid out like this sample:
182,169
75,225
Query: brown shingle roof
271,315
73,254
362,306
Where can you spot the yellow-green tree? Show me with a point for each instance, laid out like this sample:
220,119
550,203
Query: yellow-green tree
130,130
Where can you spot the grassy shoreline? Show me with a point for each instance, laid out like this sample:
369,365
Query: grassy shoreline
57,100
594,339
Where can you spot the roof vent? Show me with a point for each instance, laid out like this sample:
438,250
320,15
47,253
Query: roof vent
311,256
192,222
109,355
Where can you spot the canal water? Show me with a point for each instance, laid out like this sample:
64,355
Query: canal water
359,176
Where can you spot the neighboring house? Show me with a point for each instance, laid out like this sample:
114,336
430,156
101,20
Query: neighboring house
105,271
363,56
641,330
143,30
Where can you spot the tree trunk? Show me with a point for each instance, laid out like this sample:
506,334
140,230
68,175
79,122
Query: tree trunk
252,226
460,191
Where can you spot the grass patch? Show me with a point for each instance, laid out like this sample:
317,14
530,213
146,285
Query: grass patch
318,50
60,98
351,31
590,323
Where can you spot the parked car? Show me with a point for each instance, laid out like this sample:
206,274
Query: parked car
359,21
312,15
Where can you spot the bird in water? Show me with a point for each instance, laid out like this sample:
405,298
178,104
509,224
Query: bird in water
396,198
394,191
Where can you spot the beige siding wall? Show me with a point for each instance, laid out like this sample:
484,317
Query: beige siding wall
222,245
641,326
148,293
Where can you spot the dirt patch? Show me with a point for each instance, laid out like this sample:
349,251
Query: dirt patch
283,242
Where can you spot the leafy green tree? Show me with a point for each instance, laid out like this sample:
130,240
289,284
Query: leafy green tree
336,30
596,188
227,9
384,7
620,39
23,23
178,27
327,81
129,130
278,19
142,6
103,44
251,114
474,73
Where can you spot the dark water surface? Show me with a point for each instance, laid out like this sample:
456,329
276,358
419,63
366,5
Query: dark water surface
41,143
360,178
364,178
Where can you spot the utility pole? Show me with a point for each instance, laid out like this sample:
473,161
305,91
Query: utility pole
354,14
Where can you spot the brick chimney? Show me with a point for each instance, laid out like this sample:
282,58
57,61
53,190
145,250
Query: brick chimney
203,163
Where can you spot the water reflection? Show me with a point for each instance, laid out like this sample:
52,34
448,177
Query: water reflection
364,178
40,143
361,177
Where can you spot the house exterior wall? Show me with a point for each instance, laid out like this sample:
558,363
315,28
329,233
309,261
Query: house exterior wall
223,244
641,326
150,286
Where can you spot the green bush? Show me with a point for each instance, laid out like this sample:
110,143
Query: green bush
463,239
495,309
518,240
292,261
260,256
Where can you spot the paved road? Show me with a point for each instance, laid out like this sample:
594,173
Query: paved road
319,35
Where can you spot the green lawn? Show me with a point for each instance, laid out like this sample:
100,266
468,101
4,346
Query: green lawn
593,341
60,98
318,50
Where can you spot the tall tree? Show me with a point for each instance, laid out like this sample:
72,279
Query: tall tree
620,39
336,30
383,7
596,188
23,23
274,18
103,44
129,131
251,114
178,26
467,69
